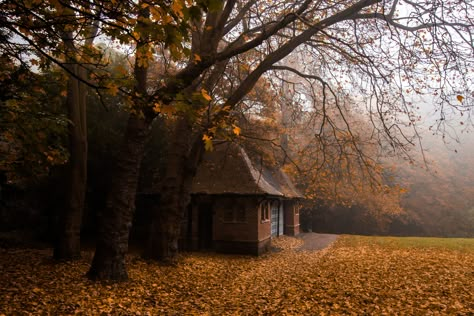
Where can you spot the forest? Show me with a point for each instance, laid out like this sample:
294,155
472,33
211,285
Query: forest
360,102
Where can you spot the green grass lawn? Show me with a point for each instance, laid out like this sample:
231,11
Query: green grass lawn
460,244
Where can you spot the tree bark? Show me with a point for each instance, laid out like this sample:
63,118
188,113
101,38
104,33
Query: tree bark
116,219
183,159
68,243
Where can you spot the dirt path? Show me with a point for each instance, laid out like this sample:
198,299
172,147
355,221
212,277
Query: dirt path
315,241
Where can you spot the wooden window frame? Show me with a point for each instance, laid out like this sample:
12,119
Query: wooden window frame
264,209
234,209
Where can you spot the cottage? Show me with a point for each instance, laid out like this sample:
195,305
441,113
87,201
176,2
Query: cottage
238,205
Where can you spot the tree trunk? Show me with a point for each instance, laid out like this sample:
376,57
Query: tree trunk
116,219
68,243
183,159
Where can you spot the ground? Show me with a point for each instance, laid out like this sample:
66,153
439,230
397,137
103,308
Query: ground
353,276
314,241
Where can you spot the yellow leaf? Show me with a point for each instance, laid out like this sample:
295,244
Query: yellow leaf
167,19
197,58
236,130
167,110
157,108
207,142
205,95
177,8
113,89
460,98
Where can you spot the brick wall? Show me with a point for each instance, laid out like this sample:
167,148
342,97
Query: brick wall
292,218
237,229
239,232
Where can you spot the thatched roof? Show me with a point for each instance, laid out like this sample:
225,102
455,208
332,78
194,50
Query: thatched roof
229,170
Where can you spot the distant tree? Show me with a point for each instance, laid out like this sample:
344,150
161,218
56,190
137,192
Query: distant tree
330,157
440,193
32,123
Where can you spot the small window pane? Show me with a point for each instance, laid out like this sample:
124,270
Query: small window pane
240,214
228,215
264,210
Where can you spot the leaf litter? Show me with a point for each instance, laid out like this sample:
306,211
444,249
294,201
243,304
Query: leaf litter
348,278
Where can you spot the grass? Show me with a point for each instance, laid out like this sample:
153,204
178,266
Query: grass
458,244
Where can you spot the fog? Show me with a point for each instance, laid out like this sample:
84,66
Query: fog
440,197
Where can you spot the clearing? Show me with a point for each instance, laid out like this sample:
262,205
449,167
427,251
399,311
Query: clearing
355,275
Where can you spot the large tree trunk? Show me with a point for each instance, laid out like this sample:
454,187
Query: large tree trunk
183,159
68,244
116,219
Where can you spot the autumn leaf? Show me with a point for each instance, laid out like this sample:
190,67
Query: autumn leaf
177,8
113,89
157,108
207,142
168,110
205,95
236,129
356,275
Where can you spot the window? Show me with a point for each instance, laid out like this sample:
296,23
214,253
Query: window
265,211
234,212
228,214
240,214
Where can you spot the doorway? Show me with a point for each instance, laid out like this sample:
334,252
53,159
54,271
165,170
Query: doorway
205,229
277,219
